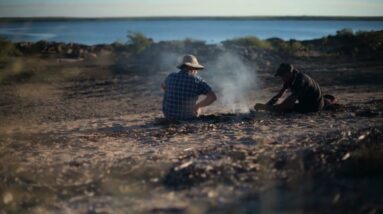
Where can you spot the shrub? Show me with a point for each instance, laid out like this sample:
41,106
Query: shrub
138,42
365,44
371,40
7,48
193,42
291,47
185,45
346,32
119,46
249,41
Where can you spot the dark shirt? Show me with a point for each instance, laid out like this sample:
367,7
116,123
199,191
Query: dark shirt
181,95
307,91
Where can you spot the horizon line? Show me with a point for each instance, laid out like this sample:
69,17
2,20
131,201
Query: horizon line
202,17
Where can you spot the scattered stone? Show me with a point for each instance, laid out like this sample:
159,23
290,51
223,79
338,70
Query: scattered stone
7,198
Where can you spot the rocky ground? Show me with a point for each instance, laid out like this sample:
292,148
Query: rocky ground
99,145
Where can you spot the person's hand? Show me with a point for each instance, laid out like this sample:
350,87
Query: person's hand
163,86
273,100
260,106
197,110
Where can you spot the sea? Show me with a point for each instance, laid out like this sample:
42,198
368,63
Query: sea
91,32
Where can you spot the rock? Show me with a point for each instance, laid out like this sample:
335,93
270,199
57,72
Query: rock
346,156
7,198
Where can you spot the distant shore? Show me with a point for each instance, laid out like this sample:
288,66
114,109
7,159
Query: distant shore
319,18
344,42
132,56
213,30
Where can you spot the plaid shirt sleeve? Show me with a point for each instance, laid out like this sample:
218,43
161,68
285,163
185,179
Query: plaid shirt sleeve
166,82
182,94
203,87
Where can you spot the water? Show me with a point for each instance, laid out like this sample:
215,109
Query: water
212,31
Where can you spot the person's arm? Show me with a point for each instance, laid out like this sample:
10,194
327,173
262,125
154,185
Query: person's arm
280,93
286,105
275,99
163,86
209,99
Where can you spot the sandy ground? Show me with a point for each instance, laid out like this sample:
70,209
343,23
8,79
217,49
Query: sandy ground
100,147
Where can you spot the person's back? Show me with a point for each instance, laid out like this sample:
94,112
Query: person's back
181,95
308,93
182,90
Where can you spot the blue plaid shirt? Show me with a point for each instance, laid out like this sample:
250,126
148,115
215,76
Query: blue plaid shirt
181,95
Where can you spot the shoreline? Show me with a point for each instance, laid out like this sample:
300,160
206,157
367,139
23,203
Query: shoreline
193,40
175,18
12,28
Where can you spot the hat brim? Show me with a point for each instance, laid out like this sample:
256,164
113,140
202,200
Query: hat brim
196,66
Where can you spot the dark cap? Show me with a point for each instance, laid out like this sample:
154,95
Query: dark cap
284,68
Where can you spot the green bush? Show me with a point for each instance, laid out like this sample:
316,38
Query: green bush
371,40
362,43
345,32
187,44
249,41
291,47
189,41
7,48
119,46
138,42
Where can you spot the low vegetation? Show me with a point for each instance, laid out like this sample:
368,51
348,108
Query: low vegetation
138,42
291,47
133,54
7,49
357,44
249,41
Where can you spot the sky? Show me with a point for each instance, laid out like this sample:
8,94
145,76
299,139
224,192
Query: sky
144,8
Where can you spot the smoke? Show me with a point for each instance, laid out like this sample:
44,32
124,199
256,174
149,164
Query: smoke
232,79
229,76
169,60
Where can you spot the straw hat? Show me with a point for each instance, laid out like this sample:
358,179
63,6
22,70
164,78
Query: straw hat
190,61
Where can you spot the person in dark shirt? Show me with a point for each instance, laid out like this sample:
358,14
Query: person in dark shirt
306,95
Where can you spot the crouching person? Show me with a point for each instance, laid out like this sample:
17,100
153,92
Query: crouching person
306,95
182,90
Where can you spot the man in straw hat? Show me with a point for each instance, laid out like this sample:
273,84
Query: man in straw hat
304,90
182,90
